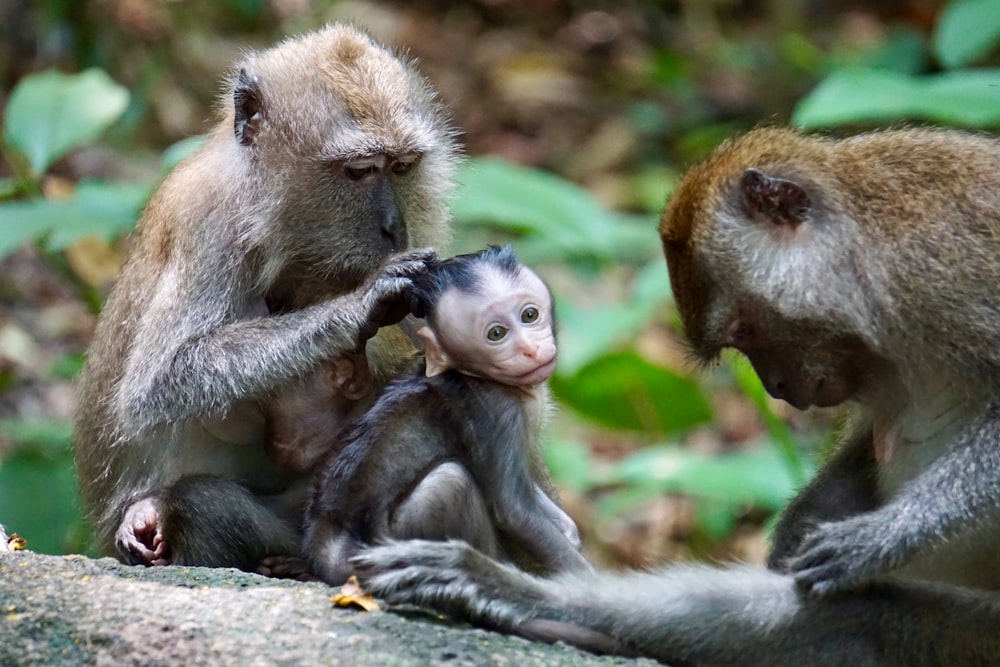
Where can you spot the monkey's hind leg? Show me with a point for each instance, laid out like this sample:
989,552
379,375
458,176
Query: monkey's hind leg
215,522
446,504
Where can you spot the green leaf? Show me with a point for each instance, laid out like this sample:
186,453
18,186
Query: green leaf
38,494
100,209
570,463
727,483
780,434
51,113
588,332
8,188
49,439
39,501
181,150
967,30
561,220
625,391
969,97
97,208
904,50
67,365
25,221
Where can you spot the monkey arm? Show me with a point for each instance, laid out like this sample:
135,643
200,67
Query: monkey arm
498,454
558,516
958,494
187,362
528,526
845,486
690,614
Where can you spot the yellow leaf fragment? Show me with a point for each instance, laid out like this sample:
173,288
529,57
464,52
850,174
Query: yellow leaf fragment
352,595
95,260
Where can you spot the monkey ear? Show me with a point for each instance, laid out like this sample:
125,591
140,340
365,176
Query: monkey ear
248,102
437,359
780,201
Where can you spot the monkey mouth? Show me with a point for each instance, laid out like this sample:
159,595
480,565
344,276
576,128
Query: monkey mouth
817,392
539,373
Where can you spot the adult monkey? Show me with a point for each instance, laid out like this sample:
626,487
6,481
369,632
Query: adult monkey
278,245
861,270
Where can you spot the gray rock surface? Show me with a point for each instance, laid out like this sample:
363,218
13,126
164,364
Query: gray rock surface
73,610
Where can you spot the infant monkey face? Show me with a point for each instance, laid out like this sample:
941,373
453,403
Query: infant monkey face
503,331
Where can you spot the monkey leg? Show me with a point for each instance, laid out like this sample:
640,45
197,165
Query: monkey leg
204,520
694,614
446,504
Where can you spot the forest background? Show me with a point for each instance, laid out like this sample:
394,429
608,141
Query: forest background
577,118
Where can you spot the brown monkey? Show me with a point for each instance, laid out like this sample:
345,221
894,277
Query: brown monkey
447,449
280,244
862,270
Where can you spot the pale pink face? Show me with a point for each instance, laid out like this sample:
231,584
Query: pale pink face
502,332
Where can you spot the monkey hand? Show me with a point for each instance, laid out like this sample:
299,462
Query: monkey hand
386,299
840,555
447,576
140,535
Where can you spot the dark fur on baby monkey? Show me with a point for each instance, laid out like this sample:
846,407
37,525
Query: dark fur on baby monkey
446,452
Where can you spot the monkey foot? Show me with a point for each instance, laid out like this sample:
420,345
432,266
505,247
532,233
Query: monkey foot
140,536
285,567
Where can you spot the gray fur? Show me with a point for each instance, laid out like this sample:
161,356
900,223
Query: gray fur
874,282
256,259
694,615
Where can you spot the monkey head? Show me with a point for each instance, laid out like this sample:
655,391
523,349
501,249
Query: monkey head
345,150
488,316
762,259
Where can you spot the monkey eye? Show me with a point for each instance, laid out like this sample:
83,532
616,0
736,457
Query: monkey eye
495,333
356,172
742,333
401,167
529,315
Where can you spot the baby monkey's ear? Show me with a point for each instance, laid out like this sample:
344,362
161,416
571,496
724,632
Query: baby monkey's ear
437,359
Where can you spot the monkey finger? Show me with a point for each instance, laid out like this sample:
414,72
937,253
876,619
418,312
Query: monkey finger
424,255
410,263
387,303
830,578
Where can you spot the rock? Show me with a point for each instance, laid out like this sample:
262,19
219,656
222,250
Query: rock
73,610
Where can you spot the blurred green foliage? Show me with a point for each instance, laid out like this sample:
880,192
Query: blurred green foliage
890,86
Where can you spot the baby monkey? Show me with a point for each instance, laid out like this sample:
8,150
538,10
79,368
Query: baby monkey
447,451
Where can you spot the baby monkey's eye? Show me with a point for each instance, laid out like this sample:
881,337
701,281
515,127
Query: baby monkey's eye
496,332
529,314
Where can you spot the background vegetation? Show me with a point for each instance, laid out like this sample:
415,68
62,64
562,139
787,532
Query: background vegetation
577,117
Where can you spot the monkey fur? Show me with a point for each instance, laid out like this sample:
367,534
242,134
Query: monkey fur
860,271
282,243
447,449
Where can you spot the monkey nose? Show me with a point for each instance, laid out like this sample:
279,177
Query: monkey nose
529,349
394,228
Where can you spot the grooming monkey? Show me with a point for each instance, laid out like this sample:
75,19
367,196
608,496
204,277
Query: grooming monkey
858,271
447,450
279,245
